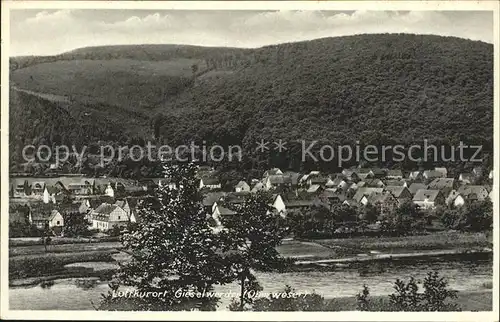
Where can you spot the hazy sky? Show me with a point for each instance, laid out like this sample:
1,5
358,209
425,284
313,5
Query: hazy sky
35,32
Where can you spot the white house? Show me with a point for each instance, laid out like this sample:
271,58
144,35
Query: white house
106,216
455,198
109,191
49,194
279,205
242,186
54,219
443,171
428,199
210,183
272,172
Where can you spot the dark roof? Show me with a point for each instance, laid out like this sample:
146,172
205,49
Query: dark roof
273,171
279,179
433,174
380,197
44,216
211,197
428,194
365,192
105,209
414,187
242,184
395,190
210,181
440,183
378,171
394,173
298,203
396,182
225,211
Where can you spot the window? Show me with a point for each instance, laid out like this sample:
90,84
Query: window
118,217
58,223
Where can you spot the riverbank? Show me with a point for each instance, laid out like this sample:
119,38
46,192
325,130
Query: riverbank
29,264
343,248
53,264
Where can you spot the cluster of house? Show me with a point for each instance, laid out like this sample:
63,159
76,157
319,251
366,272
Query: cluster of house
102,213
356,187
291,191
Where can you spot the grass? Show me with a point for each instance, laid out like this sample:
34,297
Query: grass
305,250
407,244
53,264
62,248
30,241
135,83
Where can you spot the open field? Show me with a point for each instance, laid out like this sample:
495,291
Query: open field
407,244
62,248
303,249
30,241
53,264
136,83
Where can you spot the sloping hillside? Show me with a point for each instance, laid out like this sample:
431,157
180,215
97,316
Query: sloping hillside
394,88
402,87
135,77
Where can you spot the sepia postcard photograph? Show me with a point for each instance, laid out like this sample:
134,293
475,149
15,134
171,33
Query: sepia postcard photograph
250,160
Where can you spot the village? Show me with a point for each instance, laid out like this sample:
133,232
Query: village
110,204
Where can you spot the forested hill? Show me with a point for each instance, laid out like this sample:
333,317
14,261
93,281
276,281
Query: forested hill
403,87
371,88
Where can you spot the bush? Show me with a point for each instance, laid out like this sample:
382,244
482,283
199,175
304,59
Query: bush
406,297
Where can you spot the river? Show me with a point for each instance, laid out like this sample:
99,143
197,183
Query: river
66,294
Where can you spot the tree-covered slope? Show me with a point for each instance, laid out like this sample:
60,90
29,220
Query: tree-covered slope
403,87
372,88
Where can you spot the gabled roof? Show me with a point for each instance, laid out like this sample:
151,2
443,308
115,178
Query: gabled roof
294,177
467,190
440,183
38,185
441,169
396,191
279,179
121,203
373,182
273,171
415,174
105,209
298,203
211,197
395,182
313,188
258,186
414,187
210,181
235,197
378,171
52,190
44,216
426,194
225,211
433,174
466,176
452,196
318,180
379,197
394,173
365,192
242,184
